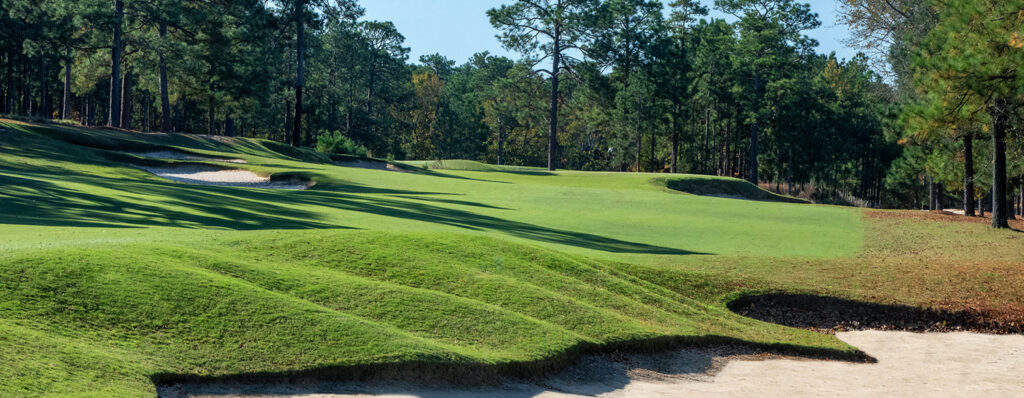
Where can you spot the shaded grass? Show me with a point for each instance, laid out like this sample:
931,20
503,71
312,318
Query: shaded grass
280,302
726,187
110,276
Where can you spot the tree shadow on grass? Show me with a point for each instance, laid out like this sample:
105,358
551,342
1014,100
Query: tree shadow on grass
822,313
29,199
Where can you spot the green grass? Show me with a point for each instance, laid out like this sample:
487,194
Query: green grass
111,277
725,187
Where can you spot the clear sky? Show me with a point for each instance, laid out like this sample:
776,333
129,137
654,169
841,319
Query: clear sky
458,29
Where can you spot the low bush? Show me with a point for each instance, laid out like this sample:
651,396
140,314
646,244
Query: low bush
337,143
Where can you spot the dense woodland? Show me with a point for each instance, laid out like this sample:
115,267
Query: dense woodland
917,120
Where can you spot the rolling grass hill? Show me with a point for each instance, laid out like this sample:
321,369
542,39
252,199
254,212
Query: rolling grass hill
112,279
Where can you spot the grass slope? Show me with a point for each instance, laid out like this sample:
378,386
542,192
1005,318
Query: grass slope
111,278
725,187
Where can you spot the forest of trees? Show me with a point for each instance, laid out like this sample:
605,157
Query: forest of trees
621,85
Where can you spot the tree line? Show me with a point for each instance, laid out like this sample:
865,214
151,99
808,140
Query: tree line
622,85
956,66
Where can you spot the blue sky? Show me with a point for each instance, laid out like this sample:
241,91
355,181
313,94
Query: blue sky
459,28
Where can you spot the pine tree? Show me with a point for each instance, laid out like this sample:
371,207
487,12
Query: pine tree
985,74
552,29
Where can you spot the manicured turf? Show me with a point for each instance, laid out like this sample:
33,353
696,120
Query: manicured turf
110,276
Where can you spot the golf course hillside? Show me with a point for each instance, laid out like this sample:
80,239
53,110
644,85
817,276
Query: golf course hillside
132,260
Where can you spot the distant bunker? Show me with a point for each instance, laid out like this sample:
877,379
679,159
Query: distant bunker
202,174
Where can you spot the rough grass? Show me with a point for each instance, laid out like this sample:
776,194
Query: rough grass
111,278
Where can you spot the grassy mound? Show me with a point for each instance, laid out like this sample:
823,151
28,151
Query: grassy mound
472,165
725,187
112,278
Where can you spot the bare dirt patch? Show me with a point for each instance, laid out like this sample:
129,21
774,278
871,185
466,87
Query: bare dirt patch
217,176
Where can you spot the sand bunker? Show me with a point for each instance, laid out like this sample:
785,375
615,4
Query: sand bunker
176,155
909,365
371,165
211,175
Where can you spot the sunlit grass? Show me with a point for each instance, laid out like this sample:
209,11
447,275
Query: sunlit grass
110,275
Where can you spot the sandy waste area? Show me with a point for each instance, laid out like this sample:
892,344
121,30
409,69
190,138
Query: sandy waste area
909,365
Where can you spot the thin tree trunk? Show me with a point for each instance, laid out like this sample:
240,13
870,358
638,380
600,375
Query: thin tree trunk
90,110
1011,208
300,47
754,132
675,144
26,106
229,125
44,90
999,122
114,117
553,114
969,175
126,100
501,145
707,132
211,127
65,109
165,96
931,195
654,143
287,121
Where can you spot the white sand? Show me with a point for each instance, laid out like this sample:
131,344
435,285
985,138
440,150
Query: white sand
174,155
209,175
909,365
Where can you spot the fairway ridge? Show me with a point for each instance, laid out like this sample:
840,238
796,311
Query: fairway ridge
113,279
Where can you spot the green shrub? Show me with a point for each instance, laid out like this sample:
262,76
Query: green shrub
337,143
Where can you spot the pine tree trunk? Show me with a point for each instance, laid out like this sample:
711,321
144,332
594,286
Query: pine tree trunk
90,110
1011,199
165,96
229,125
65,109
126,100
26,100
675,147
44,90
754,133
288,122
654,143
300,49
999,124
501,145
556,60
969,175
211,121
114,117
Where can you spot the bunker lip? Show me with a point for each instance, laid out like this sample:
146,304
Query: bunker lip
831,315
910,364
180,155
900,362
202,174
